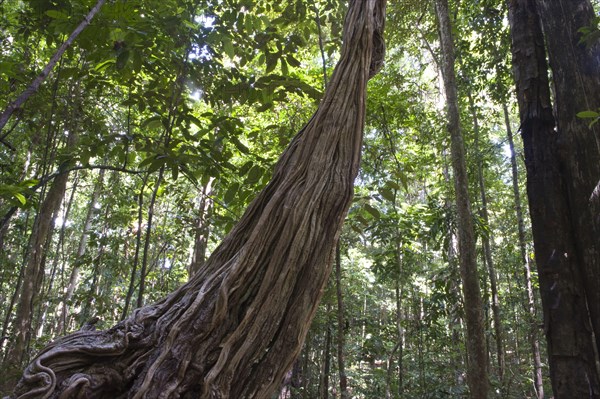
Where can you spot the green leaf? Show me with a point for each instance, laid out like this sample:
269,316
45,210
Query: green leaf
588,114
231,193
147,161
122,59
265,107
103,65
362,220
387,194
254,174
271,62
373,211
245,168
21,198
157,163
56,14
239,145
292,61
152,122
228,48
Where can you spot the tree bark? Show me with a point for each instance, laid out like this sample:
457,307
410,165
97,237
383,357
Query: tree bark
236,327
47,296
566,319
34,272
576,82
477,376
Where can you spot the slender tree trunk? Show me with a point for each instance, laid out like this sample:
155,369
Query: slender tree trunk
86,313
326,369
81,249
297,379
566,318
398,348
33,272
477,376
140,298
531,305
35,85
236,328
58,255
487,247
341,334
202,232
400,338
138,246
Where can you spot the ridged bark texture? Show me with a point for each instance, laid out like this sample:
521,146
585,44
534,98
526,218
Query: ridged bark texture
575,68
236,327
566,319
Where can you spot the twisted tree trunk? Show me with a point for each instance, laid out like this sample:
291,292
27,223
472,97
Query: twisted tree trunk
236,327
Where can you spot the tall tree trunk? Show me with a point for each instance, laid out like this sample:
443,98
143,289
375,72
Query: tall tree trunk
566,318
138,246
341,334
81,248
477,376
487,247
237,326
34,271
531,305
143,270
37,82
41,319
326,368
202,232
575,64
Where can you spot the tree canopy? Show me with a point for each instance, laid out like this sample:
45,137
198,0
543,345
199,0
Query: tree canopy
143,160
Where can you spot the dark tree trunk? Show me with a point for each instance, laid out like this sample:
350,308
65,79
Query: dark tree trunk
236,327
34,272
32,277
477,376
570,345
326,368
576,78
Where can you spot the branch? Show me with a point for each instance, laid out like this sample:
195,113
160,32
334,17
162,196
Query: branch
35,85
7,144
321,46
46,179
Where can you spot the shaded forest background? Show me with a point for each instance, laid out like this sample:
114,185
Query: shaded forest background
164,119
